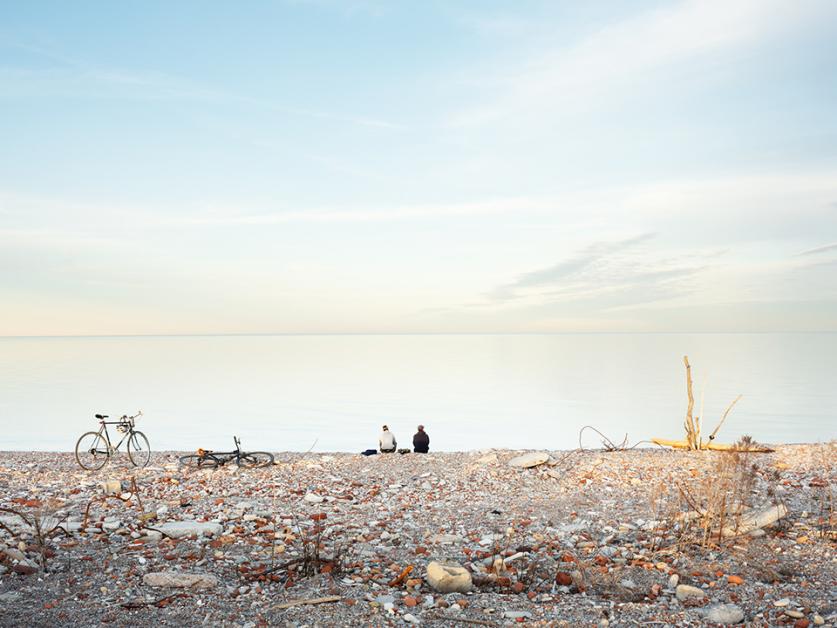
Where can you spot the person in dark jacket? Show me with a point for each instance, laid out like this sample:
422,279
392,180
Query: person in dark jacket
421,441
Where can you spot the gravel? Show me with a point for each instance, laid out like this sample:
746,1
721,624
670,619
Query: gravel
586,539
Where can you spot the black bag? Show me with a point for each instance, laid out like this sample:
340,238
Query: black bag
369,452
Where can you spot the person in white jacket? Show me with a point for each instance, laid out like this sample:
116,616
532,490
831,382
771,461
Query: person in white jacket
386,441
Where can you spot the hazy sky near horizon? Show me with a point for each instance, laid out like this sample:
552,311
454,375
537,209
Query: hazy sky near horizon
435,166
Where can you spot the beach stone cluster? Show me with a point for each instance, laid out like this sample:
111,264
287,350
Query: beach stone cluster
494,537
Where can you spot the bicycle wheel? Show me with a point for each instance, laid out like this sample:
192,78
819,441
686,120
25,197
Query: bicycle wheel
139,451
92,451
201,462
255,459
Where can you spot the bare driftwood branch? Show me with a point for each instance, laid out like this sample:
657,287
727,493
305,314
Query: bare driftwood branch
683,444
755,520
724,417
690,423
310,601
693,440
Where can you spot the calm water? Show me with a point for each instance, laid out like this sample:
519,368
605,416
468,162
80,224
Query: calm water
283,392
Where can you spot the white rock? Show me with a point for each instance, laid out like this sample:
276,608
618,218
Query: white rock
686,592
14,554
178,529
180,580
530,460
448,577
724,614
111,487
411,619
313,498
673,580
780,603
517,615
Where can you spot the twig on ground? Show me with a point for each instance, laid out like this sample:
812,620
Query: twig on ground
462,620
401,577
310,601
608,444
135,604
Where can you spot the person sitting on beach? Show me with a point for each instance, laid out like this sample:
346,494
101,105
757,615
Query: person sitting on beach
386,441
421,441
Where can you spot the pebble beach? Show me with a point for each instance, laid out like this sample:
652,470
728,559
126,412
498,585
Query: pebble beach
493,538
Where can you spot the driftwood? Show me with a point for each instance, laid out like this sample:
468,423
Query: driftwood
709,445
311,601
692,430
755,520
693,440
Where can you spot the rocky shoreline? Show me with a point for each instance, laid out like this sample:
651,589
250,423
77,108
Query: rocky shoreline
589,538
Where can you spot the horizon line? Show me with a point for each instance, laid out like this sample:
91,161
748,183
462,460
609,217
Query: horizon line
433,333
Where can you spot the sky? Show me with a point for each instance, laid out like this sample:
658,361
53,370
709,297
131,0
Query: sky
365,166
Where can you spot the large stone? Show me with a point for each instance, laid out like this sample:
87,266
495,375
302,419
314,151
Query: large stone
724,614
14,553
179,529
111,487
530,460
180,580
686,592
448,577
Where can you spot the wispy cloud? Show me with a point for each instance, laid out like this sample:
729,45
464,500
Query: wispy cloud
623,53
73,76
606,275
819,249
393,213
576,265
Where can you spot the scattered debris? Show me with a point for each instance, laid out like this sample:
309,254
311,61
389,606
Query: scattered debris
607,537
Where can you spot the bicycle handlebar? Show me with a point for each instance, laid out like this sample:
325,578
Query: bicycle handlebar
123,419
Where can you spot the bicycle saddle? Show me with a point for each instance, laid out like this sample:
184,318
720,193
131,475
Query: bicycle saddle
102,416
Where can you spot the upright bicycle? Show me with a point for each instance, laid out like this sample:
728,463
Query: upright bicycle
94,449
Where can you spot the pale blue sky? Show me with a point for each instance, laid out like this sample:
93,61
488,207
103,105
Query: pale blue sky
366,166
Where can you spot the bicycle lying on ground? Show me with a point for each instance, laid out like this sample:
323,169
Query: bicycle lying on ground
94,449
208,459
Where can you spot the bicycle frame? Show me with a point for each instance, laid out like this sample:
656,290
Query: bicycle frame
124,420
209,458
223,457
